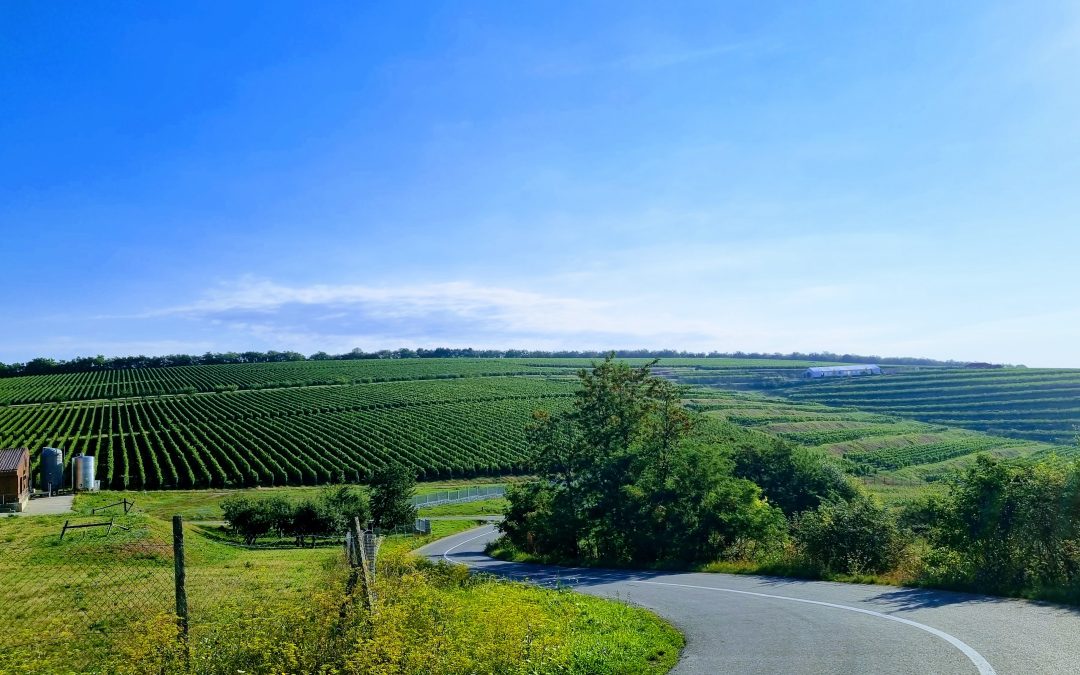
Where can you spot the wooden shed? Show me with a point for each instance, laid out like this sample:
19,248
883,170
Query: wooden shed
14,478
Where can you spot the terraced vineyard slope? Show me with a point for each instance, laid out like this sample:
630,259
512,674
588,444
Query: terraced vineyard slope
872,444
1027,403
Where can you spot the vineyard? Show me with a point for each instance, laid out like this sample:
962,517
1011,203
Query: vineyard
1026,403
138,382
294,436
868,442
306,422
141,382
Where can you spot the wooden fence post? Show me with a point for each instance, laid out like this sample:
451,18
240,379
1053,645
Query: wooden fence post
180,575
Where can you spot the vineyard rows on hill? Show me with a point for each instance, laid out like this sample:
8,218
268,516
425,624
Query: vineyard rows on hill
1034,404
139,382
868,442
297,436
301,422
112,384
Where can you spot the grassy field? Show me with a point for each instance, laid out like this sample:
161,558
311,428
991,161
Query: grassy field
895,456
101,604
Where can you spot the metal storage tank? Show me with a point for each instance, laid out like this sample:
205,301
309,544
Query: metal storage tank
52,469
82,467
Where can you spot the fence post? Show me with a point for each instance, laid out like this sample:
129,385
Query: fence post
180,574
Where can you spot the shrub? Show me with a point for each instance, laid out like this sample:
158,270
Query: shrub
1007,528
248,518
849,536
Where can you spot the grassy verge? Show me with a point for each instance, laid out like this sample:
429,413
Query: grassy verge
439,528
102,604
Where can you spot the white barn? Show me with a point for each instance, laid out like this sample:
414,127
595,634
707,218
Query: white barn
842,371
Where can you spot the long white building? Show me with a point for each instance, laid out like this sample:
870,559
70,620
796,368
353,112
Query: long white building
843,371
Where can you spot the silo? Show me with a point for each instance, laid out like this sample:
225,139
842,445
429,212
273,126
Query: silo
52,469
82,467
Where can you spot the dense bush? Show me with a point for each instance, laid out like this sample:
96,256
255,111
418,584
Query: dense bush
793,477
330,514
1007,528
853,536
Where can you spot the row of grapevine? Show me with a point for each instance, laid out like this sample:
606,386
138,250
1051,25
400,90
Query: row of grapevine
295,436
900,457
872,441
138,382
1037,404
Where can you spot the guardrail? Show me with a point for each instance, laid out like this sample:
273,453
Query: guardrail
466,494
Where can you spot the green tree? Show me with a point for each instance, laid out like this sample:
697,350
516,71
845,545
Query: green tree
248,518
392,488
853,536
1008,527
622,480
344,504
311,518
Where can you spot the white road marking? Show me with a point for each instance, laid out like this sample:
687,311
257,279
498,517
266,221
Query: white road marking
446,553
975,657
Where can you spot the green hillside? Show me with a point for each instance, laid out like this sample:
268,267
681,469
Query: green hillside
302,423
871,444
1027,403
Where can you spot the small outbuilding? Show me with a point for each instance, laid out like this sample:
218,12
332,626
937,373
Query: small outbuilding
14,478
843,371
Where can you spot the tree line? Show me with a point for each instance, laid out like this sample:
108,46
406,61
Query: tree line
387,504
629,476
82,364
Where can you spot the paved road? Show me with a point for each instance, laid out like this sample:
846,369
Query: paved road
753,624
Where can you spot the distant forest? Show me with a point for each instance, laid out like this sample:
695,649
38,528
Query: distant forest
82,364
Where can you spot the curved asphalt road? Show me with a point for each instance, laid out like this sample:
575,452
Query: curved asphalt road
753,624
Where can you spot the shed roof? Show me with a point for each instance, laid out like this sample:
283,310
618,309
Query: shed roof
837,369
10,458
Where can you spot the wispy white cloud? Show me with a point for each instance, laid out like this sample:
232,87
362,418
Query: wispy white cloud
327,316
517,308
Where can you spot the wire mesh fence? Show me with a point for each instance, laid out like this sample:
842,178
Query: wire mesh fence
461,495
67,606
93,594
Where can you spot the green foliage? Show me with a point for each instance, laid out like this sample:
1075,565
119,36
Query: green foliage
1007,528
249,518
345,505
791,476
392,489
851,536
331,513
623,481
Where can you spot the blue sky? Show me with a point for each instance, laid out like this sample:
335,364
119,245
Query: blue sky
889,178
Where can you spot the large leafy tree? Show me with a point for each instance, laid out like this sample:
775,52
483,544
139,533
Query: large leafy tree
622,480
